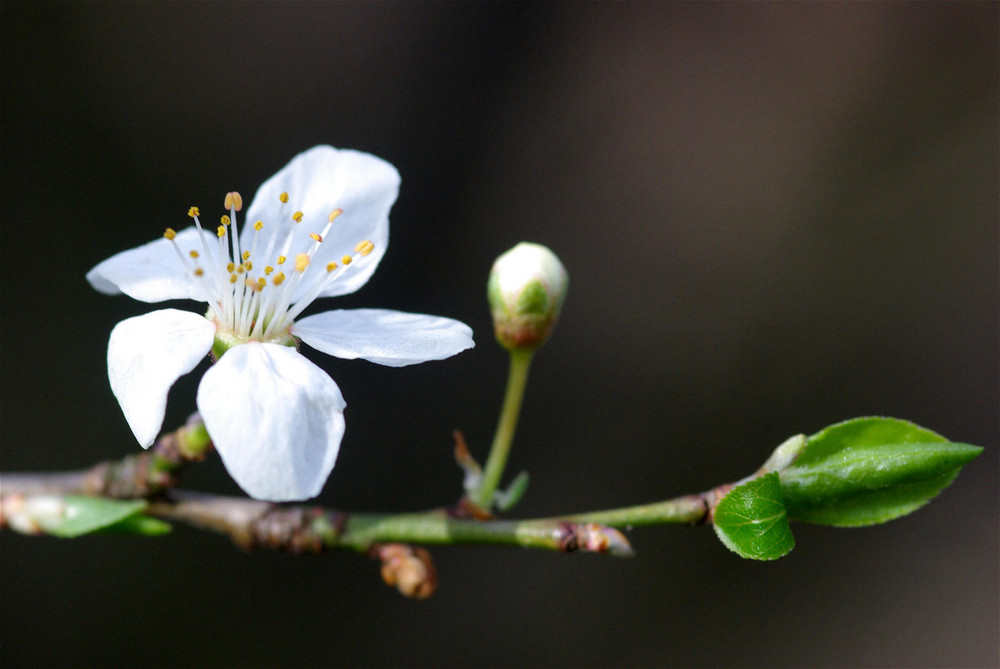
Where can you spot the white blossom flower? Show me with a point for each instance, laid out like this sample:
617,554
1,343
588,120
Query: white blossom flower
319,228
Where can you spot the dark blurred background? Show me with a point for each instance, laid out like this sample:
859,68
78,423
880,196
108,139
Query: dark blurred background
775,217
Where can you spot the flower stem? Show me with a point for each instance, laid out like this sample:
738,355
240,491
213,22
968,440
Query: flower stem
517,379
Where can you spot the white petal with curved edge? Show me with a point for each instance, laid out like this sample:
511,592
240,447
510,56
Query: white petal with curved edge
392,338
275,418
317,182
146,354
151,272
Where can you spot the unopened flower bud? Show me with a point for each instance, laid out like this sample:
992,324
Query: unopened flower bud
526,290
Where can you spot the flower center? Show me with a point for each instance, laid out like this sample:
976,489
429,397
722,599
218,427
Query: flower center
251,300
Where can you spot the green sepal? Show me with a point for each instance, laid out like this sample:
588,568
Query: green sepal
533,299
751,520
866,471
81,515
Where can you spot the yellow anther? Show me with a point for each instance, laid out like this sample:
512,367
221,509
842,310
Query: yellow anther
193,253
284,198
193,211
246,255
261,282
169,233
232,278
225,220
346,260
199,271
281,260
248,265
234,201
258,226
334,214
268,269
221,231
364,248
297,217
330,266
315,237
301,262
278,278
230,267
239,269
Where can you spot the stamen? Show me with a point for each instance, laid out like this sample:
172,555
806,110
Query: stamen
289,233
253,245
193,212
170,234
242,306
333,272
228,310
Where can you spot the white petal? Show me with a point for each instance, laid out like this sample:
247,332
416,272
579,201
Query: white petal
317,182
146,354
151,272
384,336
275,418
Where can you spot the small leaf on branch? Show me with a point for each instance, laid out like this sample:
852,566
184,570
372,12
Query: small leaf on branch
751,520
870,470
506,499
79,515
139,524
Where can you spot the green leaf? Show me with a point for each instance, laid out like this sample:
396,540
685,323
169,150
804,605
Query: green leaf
870,470
140,525
751,520
81,515
505,500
